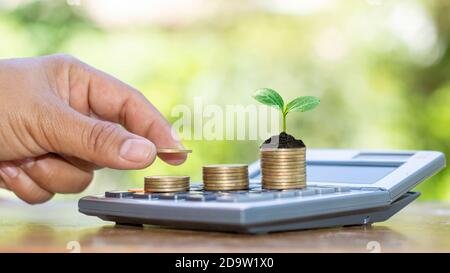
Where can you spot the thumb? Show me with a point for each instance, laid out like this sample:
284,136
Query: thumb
103,143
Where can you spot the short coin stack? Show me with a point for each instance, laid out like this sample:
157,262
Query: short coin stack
226,177
158,183
283,168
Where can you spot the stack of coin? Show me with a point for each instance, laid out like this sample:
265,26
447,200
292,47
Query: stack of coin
283,169
226,177
166,183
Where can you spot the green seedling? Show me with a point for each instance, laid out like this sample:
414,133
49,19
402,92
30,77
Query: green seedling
271,98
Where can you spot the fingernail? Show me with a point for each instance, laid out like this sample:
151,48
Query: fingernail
9,171
136,150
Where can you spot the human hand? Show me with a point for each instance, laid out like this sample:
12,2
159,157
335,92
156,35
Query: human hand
62,119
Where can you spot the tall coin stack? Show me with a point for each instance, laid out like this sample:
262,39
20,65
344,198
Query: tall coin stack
283,168
227,177
166,183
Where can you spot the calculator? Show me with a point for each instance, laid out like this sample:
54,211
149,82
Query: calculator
344,188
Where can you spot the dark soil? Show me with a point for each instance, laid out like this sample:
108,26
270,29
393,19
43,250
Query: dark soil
283,140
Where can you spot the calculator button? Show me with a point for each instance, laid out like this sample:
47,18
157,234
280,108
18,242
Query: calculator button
370,189
118,194
142,195
306,192
325,190
250,197
200,197
284,194
172,196
343,189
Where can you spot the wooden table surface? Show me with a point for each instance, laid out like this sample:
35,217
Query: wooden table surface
58,227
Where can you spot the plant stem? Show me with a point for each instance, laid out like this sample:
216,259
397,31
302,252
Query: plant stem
284,122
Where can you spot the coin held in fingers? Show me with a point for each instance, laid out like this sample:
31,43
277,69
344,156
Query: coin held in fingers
173,151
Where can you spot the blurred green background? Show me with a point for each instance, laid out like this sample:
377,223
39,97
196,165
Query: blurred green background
381,68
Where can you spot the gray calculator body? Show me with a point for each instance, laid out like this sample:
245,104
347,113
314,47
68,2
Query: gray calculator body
344,187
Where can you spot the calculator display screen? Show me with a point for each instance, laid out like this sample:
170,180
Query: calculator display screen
347,173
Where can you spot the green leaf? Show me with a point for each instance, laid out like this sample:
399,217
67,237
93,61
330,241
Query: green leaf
269,97
302,104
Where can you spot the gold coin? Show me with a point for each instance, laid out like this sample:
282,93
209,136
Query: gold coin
281,166
289,170
283,183
291,185
173,151
271,168
215,182
225,168
283,173
166,182
283,179
209,188
224,177
220,188
225,184
226,181
283,187
177,185
166,177
275,182
168,190
265,165
222,166
225,174
166,185
283,158
282,162
282,176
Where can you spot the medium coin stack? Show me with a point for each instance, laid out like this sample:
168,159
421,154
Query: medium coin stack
283,169
157,183
226,177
